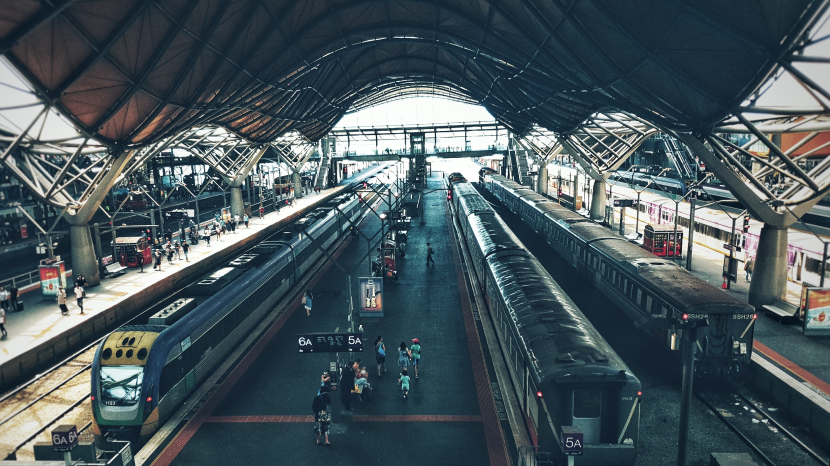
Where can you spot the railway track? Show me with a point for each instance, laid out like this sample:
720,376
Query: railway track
769,437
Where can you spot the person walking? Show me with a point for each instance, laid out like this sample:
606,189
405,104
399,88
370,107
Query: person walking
415,351
404,381
261,211
139,256
246,220
168,236
207,236
346,386
13,291
178,250
749,266
430,252
403,356
61,297
322,419
169,248
380,355
3,323
4,298
158,259
217,231
185,249
81,281
79,296
307,297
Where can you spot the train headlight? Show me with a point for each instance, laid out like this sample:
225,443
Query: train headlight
539,394
754,316
639,394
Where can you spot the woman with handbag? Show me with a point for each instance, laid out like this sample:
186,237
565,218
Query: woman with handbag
380,355
307,297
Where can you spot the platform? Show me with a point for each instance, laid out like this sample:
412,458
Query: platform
261,412
41,333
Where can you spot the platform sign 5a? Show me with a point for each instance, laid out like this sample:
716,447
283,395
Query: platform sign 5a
816,312
64,438
572,441
330,342
371,291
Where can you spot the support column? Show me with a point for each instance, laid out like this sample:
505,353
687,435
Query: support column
84,261
598,201
542,179
237,205
769,278
298,186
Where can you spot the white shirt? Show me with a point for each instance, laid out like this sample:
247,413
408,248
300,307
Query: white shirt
79,292
4,295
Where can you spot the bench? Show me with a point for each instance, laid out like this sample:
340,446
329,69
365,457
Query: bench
633,237
783,311
116,269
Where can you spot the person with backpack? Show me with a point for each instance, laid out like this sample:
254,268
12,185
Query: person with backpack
80,294
415,351
403,356
380,355
307,297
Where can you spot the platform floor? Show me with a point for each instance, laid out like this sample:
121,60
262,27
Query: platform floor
261,414
42,320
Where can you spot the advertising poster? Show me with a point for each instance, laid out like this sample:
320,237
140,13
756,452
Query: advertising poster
371,297
817,315
51,277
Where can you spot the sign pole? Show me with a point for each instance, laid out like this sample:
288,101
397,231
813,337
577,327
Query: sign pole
731,256
690,334
622,221
692,198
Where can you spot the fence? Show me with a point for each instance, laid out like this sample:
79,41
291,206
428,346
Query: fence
531,456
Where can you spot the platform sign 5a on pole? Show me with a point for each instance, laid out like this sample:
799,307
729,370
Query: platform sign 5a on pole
573,442
371,296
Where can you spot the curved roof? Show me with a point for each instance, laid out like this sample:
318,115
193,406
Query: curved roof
136,71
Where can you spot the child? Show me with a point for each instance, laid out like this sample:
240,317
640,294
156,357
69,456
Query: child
404,381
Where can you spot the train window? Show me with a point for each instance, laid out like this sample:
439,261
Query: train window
613,276
648,304
625,286
663,310
639,297
587,404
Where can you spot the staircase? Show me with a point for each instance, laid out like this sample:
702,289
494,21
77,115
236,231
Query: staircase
322,172
677,154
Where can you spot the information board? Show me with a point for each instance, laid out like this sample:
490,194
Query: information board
330,342
816,312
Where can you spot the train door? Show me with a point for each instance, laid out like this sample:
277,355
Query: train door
587,414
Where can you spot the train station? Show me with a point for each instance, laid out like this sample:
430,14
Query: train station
453,233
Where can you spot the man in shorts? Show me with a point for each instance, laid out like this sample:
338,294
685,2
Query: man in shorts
415,349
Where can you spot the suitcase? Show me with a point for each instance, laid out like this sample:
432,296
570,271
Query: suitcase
19,306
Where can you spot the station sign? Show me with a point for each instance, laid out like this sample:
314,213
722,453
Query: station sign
64,438
572,441
330,342
176,215
729,247
625,202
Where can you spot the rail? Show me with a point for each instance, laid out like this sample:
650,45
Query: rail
531,456
21,280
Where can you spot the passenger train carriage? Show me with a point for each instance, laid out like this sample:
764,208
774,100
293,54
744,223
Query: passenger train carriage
563,371
143,373
644,286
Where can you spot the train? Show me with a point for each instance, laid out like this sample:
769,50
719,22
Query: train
563,371
648,289
143,373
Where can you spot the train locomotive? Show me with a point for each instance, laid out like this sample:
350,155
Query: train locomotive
143,373
563,372
645,287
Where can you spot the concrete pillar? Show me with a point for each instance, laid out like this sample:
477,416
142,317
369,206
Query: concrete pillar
598,201
542,179
84,261
769,276
298,186
237,206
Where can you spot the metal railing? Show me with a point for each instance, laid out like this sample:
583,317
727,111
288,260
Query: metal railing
22,280
531,456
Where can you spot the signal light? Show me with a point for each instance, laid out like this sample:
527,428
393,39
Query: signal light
149,399
746,224
538,394
92,398
754,316
685,317
639,394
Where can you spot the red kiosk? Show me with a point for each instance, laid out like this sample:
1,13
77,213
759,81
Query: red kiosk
389,258
659,239
129,251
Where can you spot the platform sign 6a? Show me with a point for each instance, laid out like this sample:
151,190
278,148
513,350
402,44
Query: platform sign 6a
572,441
64,438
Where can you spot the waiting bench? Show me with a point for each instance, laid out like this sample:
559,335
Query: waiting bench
782,310
116,269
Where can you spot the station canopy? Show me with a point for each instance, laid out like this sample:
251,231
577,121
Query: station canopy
130,73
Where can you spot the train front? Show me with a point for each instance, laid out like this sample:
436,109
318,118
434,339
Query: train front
123,405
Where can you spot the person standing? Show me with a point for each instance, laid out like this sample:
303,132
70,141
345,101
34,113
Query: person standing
307,297
403,357
13,291
4,298
261,211
246,220
404,381
380,355
218,231
81,281
62,300
749,266
158,259
170,250
207,236
185,249
415,351
430,252
168,236
322,419
79,296
139,256
178,250
346,386
3,322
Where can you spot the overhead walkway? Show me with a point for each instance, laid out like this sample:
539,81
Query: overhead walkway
40,336
262,409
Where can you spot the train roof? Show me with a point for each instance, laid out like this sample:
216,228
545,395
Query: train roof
492,235
557,337
469,200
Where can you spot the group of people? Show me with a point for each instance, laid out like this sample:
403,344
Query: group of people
80,294
406,356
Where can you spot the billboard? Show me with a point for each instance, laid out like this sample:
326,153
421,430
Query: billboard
52,276
816,313
371,296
